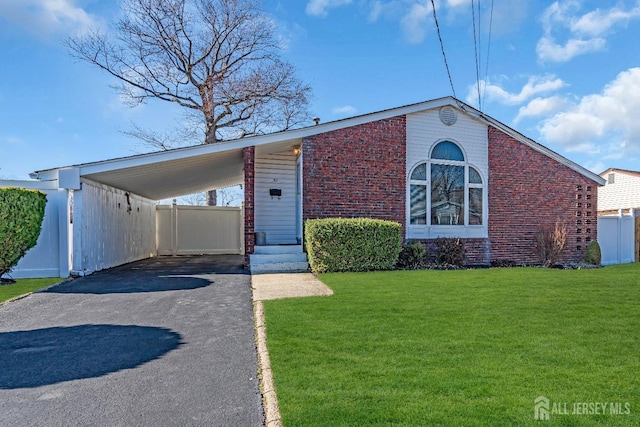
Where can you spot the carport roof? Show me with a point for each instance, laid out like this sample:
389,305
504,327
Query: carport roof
172,173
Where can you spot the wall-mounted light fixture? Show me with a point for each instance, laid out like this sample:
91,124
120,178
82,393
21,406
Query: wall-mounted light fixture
296,149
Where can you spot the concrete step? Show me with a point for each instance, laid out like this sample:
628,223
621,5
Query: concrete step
278,249
280,267
273,258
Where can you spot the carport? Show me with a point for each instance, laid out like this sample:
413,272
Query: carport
103,214
110,213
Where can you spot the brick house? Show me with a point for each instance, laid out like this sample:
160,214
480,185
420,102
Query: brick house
440,168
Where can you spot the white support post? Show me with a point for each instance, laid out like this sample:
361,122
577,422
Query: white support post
174,228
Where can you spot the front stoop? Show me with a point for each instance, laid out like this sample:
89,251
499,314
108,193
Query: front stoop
278,259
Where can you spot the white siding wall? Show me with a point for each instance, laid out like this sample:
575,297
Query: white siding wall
624,193
424,130
276,216
50,256
106,234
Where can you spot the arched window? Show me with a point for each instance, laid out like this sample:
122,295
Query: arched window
445,190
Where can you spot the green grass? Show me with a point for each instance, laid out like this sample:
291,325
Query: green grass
24,286
468,348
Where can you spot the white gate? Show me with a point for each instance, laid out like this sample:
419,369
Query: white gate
196,230
616,236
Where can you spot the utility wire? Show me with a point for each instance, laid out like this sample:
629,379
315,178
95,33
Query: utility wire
476,47
435,18
486,68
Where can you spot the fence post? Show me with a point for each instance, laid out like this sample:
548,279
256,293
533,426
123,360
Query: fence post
174,228
636,234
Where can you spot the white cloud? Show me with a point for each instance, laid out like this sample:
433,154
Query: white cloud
599,22
346,110
581,33
414,23
541,107
320,7
548,50
456,3
535,85
606,121
45,17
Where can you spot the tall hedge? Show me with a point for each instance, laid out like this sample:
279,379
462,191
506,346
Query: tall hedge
21,215
352,244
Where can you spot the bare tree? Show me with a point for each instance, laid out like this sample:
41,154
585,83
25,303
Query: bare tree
218,58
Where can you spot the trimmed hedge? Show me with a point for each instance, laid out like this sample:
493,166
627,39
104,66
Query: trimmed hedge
21,215
352,244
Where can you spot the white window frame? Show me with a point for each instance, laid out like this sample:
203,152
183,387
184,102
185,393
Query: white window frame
428,230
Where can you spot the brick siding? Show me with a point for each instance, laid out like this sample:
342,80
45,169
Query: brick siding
356,172
248,155
529,190
360,171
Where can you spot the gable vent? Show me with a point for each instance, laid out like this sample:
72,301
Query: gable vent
448,115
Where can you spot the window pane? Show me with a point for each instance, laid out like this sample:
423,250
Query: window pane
418,204
447,195
420,172
447,150
474,176
475,206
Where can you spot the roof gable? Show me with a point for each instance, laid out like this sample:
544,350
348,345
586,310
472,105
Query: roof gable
185,170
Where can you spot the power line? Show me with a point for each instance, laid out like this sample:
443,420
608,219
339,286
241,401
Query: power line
444,56
476,47
486,68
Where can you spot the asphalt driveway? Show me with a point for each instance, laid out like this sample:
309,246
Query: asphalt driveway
161,342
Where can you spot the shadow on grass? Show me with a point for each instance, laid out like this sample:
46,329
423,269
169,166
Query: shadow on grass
47,356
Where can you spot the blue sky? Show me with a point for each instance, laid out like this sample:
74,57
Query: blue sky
565,73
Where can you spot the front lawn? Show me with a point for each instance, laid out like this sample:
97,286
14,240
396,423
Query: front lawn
24,286
468,348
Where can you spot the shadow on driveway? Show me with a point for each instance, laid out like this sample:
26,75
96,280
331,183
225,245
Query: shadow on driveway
52,355
157,274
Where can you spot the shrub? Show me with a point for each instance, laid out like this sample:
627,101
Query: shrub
503,263
413,255
550,243
450,251
593,255
21,214
352,244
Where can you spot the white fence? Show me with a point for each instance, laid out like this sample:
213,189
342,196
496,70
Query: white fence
617,238
194,230
50,256
110,227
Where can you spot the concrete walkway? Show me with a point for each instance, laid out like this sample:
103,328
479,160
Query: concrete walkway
287,285
161,342
269,287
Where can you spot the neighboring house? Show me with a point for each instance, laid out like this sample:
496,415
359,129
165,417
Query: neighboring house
620,191
440,168
619,216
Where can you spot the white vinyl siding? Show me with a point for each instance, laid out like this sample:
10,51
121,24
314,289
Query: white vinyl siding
424,131
276,216
623,193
